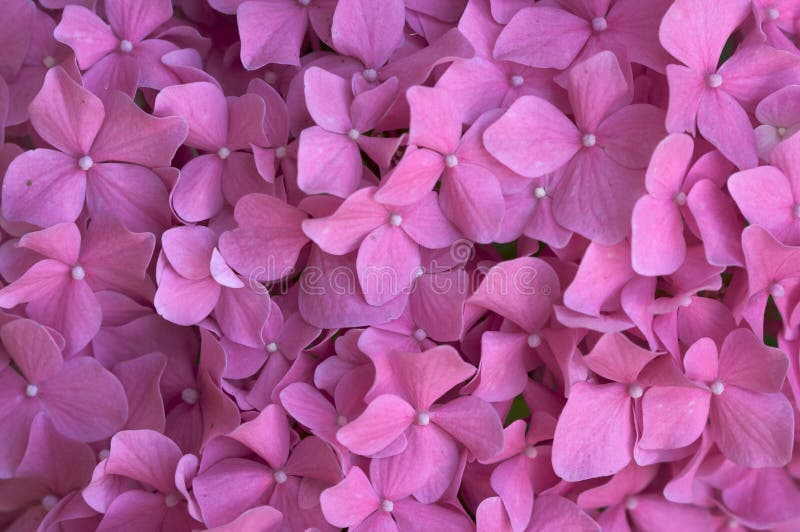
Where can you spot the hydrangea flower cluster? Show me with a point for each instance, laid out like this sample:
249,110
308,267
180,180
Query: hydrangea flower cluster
400,265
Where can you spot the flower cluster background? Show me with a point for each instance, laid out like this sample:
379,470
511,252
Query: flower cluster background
399,265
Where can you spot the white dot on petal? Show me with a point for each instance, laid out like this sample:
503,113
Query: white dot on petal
280,476
370,74
516,80
190,396
48,501
781,131
270,77
171,500
353,134
387,505
420,335
777,290
280,152
420,272
717,387
599,24
589,140
77,272
125,46
224,153
531,452
341,421
423,418
103,454
714,80
680,198
534,341
49,61
85,162
31,390
772,13
272,347
631,503
539,192
395,220
451,160
635,390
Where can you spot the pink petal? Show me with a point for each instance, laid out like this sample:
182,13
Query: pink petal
617,358
86,33
134,21
268,435
543,37
503,369
748,363
596,88
43,187
387,264
657,243
370,106
753,429
61,242
673,416
343,231
701,361
425,378
198,193
533,138
668,166
474,423
328,163
368,31
241,314
230,487
434,120
32,349
85,401
594,436
140,378
553,512
630,134
407,512
686,89
765,197
183,301
328,98
412,178
146,456
719,223
472,199
246,124
385,418
350,501
723,122
271,33
204,108
188,250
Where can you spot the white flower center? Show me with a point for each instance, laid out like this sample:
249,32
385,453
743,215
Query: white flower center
635,390
423,418
171,500
534,341
420,272
370,74
353,134
280,476
272,347
49,61
280,152
224,153
190,396
451,160
517,80
680,198
270,77
85,163
103,454
589,140
781,131
772,13
77,272
387,505
531,452
631,503
717,387
125,46
714,80
599,24
395,220
341,421
31,390
539,192
420,335
48,501
777,290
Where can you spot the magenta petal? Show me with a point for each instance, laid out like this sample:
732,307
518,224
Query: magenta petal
409,512
725,124
368,31
474,423
553,512
674,416
146,456
753,429
202,105
76,23
328,98
43,187
412,178
134,21
343,231
543,37
657,243
32,349
230,487
385,418
471,197
271,32
183,301
350,501
594,436
533,137
596,88
746,362
198,193
387,264
434,120
85,401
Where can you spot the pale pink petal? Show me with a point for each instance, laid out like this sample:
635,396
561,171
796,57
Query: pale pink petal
686,89
350,501
135,20
673,416
434,120
204,108
668,166
725,124
412,178
368,31
387,264
746,362
146,456
343,231
328,163
271,32
596,88
86,33
474,423
657,243
198,192
471,197
385,418
328,98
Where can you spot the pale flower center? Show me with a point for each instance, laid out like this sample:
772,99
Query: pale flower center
714,80
534,341
370,74
635,390
451,160
272,347
387,505
772,13
531,452
85,163
353,134
796,210
341,421
125,46
31,390
224,153
717,387
589,140
420,335
777,290
270,77
781,131
423,418
171,500
280,152
77,272
280,476
517,80
599,24
49,61
539,192
680,198
48,501
190,396
631,503
395,219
